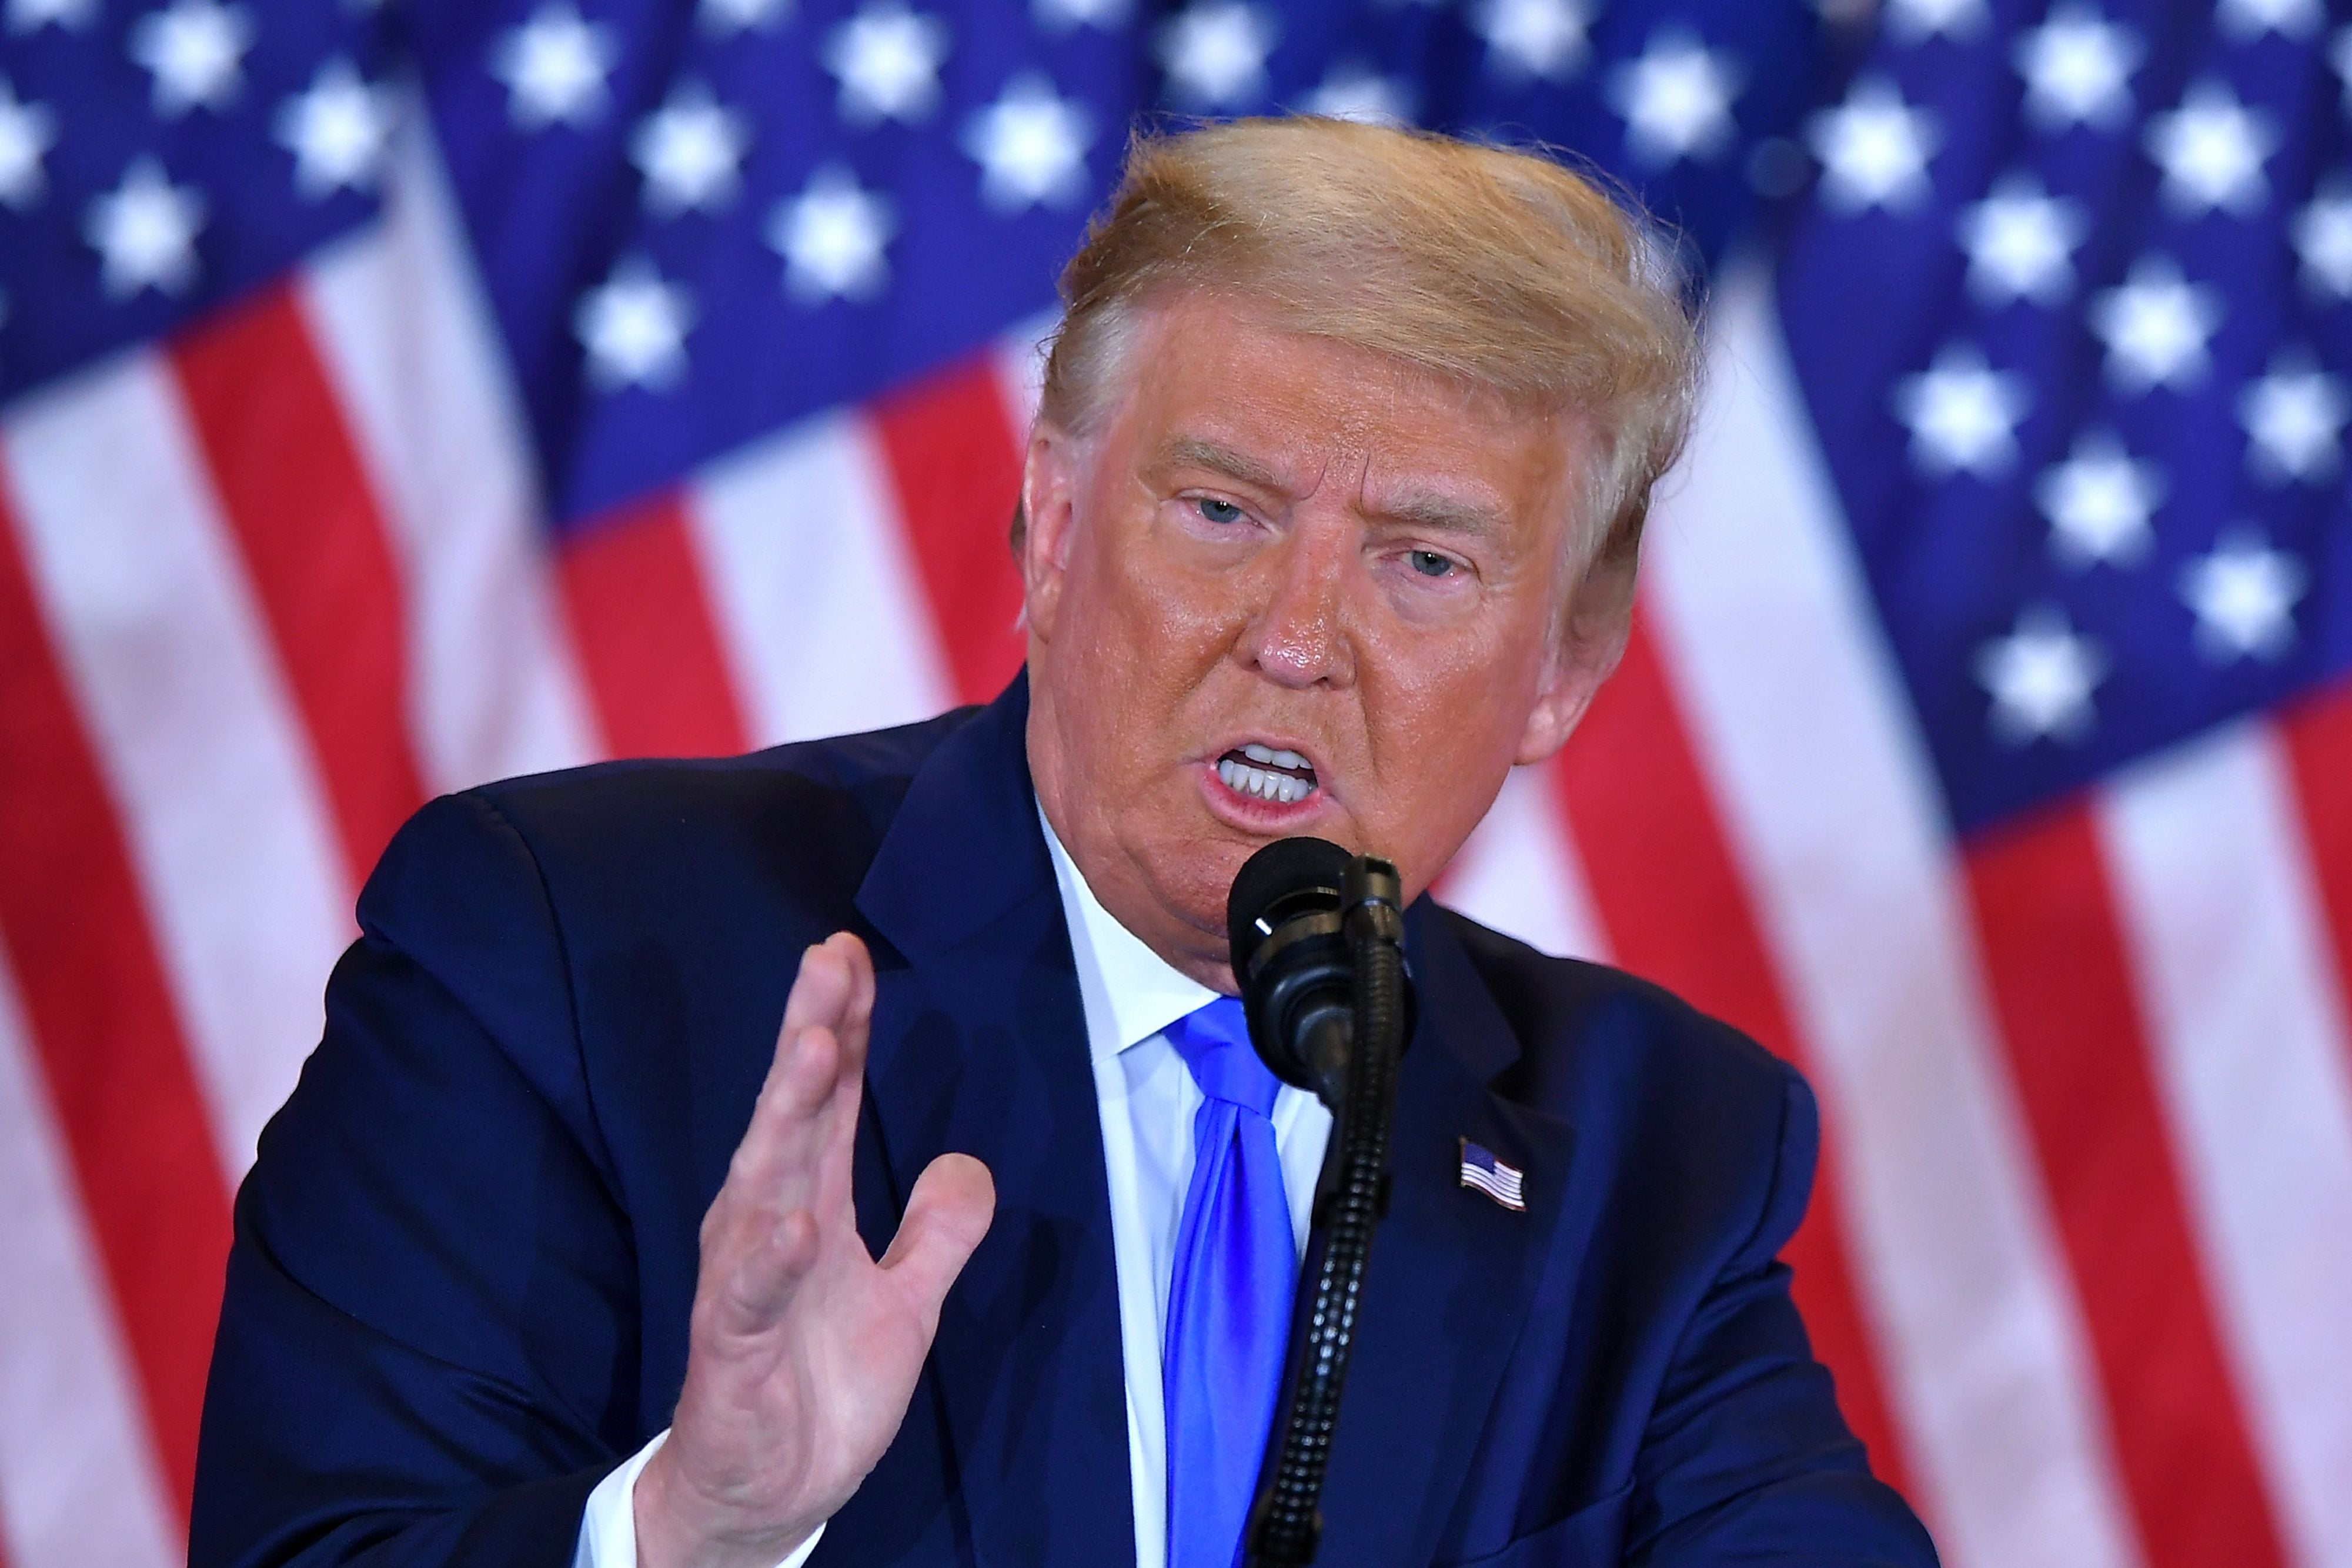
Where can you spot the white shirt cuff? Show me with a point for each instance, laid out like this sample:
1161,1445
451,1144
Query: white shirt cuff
608,1528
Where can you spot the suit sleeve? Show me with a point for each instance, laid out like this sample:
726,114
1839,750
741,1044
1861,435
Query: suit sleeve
427,1347
1745,1459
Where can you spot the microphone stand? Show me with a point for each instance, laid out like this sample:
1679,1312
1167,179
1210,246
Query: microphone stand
1285,1523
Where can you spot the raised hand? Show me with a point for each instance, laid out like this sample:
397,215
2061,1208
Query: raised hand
804,1351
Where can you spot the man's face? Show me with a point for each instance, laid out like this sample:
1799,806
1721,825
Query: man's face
1288,586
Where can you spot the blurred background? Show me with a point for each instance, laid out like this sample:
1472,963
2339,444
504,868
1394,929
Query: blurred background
398,396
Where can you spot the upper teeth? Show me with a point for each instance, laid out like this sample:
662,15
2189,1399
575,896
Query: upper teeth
1280,758
1244,779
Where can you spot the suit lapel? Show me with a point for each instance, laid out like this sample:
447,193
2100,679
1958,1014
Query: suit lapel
1452,1274
980,1045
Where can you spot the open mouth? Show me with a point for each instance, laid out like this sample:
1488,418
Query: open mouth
1268,773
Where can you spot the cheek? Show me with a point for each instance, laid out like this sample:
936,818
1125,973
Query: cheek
1150,607
1475,678
1444,718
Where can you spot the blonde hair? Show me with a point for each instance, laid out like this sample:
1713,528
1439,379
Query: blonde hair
1498,269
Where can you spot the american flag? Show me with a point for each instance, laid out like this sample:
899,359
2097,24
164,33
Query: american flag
397,396
1482,1172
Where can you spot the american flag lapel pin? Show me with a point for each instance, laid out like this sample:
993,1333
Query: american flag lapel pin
1482,1172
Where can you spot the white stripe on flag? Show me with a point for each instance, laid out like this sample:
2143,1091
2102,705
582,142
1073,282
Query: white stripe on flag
79,1482
164,647
2246,1032
397,317
1520,874
1826,797
813,595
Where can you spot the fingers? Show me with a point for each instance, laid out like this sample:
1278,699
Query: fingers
835,989
791,1167
947,1215
771,1253
820,1057
785,1130
857,1015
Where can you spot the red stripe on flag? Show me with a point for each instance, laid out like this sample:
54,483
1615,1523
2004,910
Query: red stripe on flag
2078,1049
955,464
646,637
1669,892
112,1051
2319,748
315,549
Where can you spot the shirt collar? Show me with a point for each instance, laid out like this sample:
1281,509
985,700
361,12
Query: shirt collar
1130,992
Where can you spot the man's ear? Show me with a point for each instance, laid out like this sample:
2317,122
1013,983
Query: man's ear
1049,482
1568,690
1591,641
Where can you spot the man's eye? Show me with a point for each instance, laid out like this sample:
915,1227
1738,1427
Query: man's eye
1428,563
1219,512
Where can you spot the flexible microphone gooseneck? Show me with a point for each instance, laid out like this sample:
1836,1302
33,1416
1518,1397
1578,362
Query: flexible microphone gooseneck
1318,947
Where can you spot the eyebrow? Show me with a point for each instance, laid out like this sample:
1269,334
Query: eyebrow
1446,515
1425,511
1190,451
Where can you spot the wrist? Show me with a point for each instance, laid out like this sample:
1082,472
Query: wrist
678,1525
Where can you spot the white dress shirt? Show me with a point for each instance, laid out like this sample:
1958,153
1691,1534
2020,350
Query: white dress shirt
1147,1099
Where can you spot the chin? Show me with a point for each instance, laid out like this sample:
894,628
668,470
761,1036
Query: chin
1194,874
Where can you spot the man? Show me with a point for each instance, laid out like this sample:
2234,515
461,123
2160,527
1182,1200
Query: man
561,1252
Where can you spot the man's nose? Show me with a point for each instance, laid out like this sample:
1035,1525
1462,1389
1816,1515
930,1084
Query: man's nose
1301,636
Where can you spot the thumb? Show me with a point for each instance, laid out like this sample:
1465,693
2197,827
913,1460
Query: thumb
947,1214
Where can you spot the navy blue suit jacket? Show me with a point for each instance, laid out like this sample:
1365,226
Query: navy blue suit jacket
464,1261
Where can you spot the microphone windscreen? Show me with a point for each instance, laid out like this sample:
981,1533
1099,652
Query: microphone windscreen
1286,877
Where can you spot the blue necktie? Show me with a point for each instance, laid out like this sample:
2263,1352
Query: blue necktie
1228,1296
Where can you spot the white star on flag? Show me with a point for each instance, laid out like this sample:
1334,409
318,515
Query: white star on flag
2078,67
1963,415
144,232
1031,146
2156,326
2098,502
2244,596
2293,416
1874,149
196,51
2021,242
1676,99
2041,677
28,131
833,237
725,17
32,16
1062,16
1355,91
2248,19
886,59
2322,232
554,68
337,130
1215,53
690,153
634,326
1911,21
1538,39
2211,149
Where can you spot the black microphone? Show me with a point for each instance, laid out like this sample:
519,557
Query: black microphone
1290,959
1318,950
